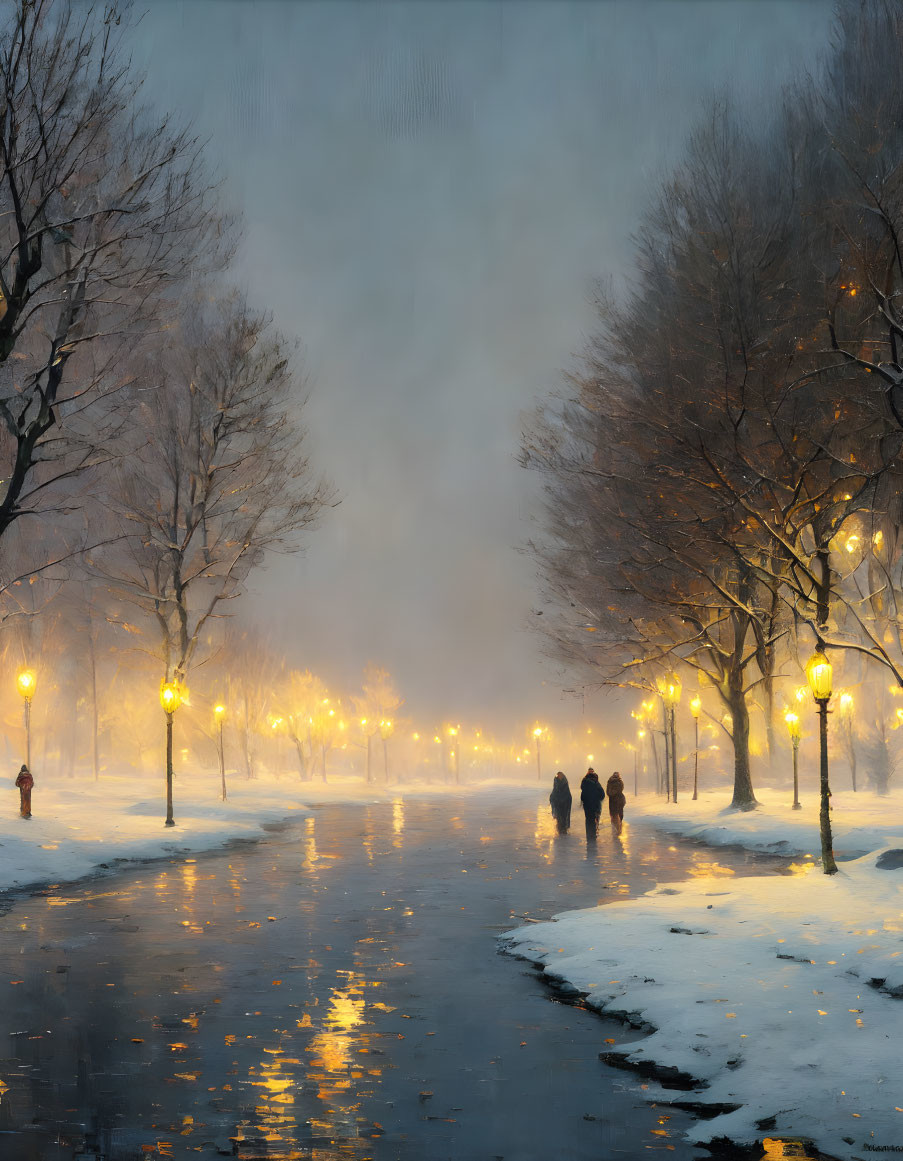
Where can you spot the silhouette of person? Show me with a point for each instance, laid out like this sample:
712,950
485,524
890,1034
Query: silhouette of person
591,798
560,799
616,801
25,782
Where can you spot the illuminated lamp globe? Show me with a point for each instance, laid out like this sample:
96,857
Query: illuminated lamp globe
26,682
673,690
696,706
793,725
819,674
170,696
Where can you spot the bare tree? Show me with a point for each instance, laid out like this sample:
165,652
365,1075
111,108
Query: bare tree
376,705
102,207
219,481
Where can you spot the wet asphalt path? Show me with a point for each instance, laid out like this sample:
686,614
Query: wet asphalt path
334,991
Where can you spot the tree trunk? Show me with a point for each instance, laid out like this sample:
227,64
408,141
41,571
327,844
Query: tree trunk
246,740
768,692
222,762
95,712
667,780
674,754
744,798
655,761
302,760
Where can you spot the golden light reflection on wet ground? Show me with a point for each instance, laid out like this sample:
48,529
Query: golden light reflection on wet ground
704,868
331,993
780,1149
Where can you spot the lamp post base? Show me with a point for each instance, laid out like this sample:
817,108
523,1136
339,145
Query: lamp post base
170,822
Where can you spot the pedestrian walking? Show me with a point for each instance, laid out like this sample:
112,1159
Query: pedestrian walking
614,788
560,799
591,798
25,782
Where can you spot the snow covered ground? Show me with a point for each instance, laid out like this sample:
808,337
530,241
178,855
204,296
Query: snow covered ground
781,995
79,827
861,822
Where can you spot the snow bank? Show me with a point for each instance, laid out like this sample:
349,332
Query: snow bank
861,822
777,994
78,828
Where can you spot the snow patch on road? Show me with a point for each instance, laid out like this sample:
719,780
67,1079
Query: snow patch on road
861,822
778,994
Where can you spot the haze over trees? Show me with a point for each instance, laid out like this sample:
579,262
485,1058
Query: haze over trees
722,471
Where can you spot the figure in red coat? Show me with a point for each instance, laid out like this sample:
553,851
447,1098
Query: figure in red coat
25,781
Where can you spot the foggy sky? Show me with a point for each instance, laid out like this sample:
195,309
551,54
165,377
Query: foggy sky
429,191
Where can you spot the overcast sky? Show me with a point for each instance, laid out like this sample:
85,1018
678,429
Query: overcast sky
429,191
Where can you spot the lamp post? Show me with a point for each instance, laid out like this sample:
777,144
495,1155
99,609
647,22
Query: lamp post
819,676
695,707
219,716
25,683
170,700
537,734
793,728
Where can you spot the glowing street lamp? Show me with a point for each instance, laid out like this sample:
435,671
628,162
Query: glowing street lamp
219,716
170,700
537,734
793,728
820,675
26,682
695,707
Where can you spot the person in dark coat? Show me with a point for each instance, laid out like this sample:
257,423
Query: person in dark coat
560,798
25,782
616,801
591,798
